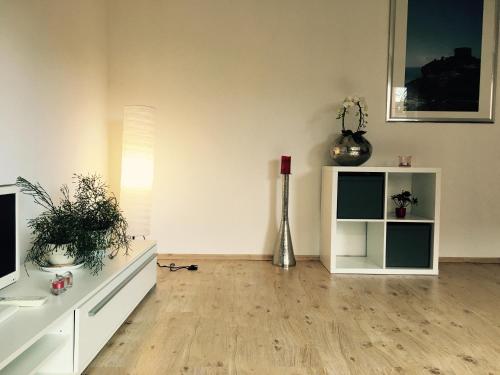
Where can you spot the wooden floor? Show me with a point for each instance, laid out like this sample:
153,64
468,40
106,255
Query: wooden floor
247,317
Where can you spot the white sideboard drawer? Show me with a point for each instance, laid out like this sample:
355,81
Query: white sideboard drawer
99,318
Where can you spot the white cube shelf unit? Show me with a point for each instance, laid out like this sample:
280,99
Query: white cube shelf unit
360,232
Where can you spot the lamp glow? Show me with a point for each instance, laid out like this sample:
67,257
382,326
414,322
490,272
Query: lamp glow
137,167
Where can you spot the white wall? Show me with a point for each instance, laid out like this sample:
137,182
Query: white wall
239,83
53,89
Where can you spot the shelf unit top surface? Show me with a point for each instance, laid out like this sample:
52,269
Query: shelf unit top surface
384,169
361,220
409,218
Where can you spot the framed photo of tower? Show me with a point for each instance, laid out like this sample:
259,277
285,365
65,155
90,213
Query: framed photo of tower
442,60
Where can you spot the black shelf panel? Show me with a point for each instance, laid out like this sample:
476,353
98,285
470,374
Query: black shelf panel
360,195
409,245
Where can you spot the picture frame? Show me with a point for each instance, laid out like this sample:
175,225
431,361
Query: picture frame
442,61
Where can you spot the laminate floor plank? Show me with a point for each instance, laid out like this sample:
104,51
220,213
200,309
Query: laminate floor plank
248,317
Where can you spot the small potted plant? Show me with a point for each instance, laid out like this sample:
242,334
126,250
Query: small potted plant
403,200
54,230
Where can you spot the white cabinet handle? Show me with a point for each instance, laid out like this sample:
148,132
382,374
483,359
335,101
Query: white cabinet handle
95,310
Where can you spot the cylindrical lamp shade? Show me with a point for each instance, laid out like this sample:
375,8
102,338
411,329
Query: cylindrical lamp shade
137,167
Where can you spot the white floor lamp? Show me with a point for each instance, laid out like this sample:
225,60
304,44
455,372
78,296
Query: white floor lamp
137,168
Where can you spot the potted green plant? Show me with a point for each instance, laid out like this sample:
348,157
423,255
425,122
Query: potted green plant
101,222
79,230
403,200
54,230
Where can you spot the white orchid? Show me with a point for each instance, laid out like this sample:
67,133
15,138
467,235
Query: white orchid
361,111
348,104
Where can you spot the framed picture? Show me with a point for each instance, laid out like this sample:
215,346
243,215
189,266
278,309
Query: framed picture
442,60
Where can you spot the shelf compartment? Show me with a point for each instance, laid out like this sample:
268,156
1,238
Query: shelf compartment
359,244
360,195
352,262
409,245
422,186
33,358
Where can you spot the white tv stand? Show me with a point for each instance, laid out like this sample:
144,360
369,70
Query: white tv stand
65,334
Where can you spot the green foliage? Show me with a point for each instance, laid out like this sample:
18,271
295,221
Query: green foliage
404,199
55,227
87,226
100,219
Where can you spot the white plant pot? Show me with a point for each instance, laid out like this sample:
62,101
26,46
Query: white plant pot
58,257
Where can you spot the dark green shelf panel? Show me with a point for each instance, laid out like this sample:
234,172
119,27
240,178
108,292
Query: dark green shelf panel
360,195
409,245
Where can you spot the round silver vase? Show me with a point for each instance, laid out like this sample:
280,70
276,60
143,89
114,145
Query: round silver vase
351,150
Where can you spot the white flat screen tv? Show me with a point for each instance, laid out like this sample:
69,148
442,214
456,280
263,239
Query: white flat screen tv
9,255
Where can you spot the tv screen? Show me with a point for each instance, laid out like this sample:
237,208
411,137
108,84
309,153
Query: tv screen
7,234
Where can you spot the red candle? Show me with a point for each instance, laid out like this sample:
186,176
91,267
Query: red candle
57,286
286,161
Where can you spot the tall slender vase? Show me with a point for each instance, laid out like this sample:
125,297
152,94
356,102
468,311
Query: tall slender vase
283,253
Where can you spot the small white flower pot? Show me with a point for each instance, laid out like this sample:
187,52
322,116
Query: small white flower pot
59,258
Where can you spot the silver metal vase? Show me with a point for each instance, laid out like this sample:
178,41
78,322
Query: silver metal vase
351,150
283,252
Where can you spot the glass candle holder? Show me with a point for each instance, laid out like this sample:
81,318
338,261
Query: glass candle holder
404,161
68,279
57,286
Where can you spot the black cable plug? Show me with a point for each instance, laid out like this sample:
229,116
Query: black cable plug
173,267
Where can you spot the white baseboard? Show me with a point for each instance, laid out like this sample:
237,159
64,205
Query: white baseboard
268,257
